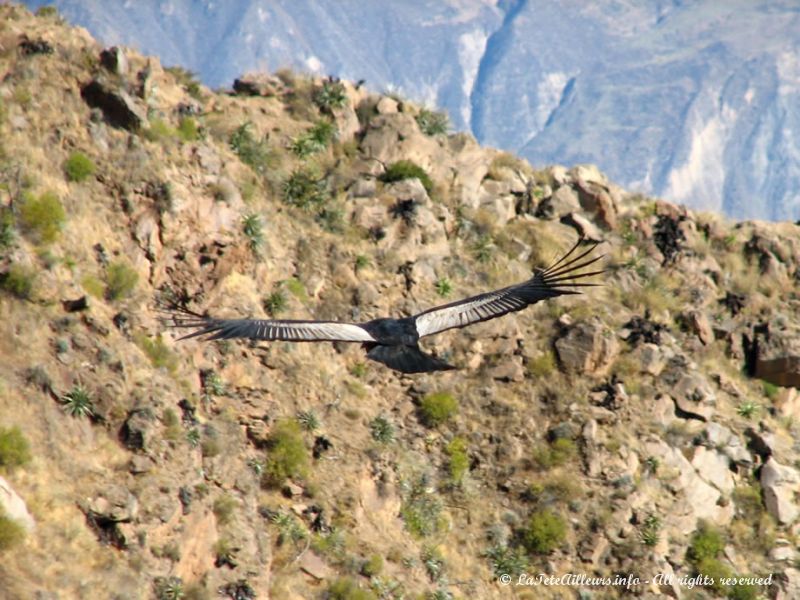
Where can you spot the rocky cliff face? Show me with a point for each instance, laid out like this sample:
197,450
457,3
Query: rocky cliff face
689,101
645,427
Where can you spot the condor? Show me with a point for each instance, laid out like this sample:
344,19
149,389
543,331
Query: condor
395,342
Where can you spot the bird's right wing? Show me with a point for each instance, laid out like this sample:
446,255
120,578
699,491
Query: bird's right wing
560,278
267,329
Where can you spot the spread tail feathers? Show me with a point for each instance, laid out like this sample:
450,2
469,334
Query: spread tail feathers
407,359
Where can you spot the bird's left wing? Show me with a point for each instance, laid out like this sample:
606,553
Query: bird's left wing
267,329
558,279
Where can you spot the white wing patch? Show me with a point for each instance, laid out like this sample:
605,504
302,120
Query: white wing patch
304,330
462,314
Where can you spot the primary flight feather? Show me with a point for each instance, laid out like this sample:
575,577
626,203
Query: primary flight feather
395,342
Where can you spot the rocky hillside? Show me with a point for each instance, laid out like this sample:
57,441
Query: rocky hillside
688,100
646,429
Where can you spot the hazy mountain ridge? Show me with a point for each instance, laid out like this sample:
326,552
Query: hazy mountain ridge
690,101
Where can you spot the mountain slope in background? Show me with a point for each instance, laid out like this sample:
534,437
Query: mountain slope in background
692,101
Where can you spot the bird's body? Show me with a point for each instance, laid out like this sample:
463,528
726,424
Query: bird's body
395,342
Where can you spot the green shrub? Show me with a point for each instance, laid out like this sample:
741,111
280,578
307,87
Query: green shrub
308,420
316,139
372,566
304,190
406,169
707,542
121,280
252,152
15,451
287,455
253,230
77,402
458,460
546,531
11,533
432,122
330,95
46,11
421,509
556,453
437,408
42,217
187,79
507,561
275,303
715,570
346,588
443,287
224,507
483,248
382,430
157,351
159,130
7,230
649,530
542,365
18,281
93,285
78,167
187,129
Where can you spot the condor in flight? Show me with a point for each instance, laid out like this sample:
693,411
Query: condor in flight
395,342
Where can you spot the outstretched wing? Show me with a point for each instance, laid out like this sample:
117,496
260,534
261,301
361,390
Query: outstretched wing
558,279
267,329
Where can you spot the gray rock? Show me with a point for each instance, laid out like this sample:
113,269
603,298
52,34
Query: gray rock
258,84
14,507
562,202
778,353
780,484
587,347
138,429
119,108
114,60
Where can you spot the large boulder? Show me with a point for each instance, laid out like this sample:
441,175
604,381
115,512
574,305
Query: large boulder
777,353
587,347
781,484
119,108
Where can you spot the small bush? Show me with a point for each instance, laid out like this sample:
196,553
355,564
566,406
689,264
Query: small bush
346,588
304,190
287,455
546,531
308,420
330,95
253,230
406,169
187,130
372,566
507,561
707,543
252,152
121,280
443,287
747,409
483,249
15,451
437,408
93,285
77,402
382,430
556,453
542,365
421,509
157,351
432,122
42,217
649,530
11,533
275,303
458,460
316,139
78,167
7,230
19,281
224,508
159,130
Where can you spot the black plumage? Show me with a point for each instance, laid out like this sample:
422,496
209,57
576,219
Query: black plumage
395,342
